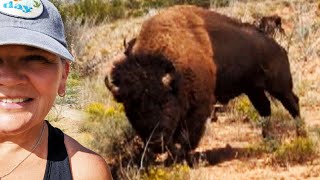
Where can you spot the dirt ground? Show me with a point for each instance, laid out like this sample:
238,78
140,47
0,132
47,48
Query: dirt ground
225,140
222,145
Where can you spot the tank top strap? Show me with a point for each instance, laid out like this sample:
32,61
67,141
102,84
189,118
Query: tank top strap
58,165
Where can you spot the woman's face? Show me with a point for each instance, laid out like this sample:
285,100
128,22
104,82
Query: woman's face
30,79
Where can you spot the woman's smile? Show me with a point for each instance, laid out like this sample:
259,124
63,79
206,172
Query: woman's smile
14,103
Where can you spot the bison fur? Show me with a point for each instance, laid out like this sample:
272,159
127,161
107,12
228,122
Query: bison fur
186,57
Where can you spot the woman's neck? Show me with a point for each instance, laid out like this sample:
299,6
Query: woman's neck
25,140
25,155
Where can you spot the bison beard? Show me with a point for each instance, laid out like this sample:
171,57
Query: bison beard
183,57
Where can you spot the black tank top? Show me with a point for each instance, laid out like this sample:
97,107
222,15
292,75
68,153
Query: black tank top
58,166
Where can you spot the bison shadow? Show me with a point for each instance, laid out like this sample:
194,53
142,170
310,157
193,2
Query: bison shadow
219,155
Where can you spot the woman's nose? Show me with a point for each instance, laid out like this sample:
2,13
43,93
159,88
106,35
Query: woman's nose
11,76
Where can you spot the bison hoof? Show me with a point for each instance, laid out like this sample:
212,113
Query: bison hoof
266,127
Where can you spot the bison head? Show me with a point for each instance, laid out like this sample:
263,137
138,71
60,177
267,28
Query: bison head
269,25
148,86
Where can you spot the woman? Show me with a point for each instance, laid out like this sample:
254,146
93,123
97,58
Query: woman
34,66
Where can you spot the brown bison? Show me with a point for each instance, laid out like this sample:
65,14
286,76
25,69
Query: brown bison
184,57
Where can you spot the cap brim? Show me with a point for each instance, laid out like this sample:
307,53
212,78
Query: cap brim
20,36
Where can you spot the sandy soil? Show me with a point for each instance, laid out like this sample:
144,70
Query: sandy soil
225,140
223,145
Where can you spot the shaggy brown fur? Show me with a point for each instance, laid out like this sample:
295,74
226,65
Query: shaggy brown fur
250,61
168,75
166,79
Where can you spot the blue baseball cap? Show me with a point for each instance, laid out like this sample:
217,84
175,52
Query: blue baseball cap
34,23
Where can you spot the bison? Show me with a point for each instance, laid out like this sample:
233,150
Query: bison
182,60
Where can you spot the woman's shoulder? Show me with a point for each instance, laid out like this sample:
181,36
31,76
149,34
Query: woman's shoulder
85,164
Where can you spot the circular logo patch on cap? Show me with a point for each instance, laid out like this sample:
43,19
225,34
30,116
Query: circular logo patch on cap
21,8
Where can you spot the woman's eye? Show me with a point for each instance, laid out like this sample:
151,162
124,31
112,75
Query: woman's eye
36,58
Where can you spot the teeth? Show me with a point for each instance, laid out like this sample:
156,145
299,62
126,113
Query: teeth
19,100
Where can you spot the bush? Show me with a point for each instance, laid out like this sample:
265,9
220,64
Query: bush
102,10
243,107
177,172
108,127
298,151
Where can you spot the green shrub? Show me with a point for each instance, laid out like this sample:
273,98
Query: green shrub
101,10
243,107
177,172
109,128
298,151
202,3
96,110
266,146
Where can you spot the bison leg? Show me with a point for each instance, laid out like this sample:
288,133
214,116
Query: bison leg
192,128
291,102
260,101
262,104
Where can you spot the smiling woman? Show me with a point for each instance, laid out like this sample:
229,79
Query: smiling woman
34,66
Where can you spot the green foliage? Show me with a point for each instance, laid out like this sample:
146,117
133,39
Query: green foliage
266,146
177,172
102,10
96,110
298,151
60,6
100,111
98,10
202,3
108,126
243,106
91,10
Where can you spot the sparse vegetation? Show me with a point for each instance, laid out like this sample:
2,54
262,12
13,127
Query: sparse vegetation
266,146
295,151
73,87
299,150
109,128
242,107
104,10
177,172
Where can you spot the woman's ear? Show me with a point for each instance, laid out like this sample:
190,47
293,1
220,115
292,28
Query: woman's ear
63,81
66,70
